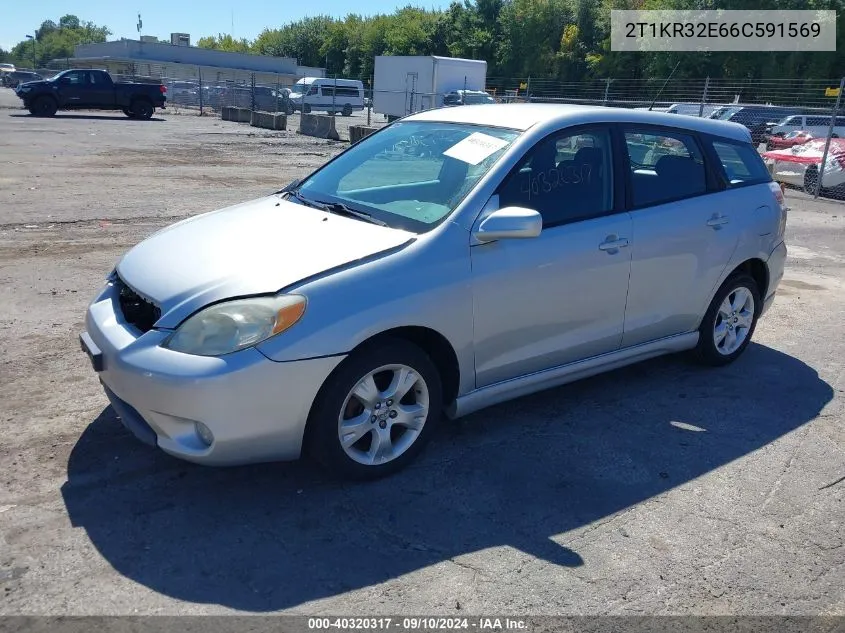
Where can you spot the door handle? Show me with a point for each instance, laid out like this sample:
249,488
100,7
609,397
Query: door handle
717,221
613,244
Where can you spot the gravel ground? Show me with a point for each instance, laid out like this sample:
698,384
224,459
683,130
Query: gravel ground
658,489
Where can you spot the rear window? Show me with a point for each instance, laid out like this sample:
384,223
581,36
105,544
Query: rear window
741,163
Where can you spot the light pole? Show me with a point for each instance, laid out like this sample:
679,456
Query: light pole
34,60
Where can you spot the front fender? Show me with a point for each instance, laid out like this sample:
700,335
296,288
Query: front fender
426,285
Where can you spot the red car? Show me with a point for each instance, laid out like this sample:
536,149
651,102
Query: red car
798,137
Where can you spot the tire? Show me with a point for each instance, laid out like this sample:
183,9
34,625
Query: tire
347,110
834,136
289,110
306,108
44,106
142,109
811,178
742,304
128,112
384,362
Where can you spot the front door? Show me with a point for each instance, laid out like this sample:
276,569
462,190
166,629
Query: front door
73,88
560,297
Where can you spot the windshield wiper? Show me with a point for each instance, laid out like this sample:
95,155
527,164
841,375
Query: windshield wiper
338,208
341,209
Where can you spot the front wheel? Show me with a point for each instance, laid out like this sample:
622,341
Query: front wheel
377,411
727,327
44,106
128,112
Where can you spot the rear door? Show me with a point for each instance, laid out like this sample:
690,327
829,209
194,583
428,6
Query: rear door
684,233
100,90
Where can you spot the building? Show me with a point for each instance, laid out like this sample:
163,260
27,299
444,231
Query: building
180,61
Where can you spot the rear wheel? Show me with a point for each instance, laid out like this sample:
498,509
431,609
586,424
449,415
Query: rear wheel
347,110
306,108
377,411
142,109
44,106
727,327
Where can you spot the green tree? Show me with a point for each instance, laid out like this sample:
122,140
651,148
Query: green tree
225,43
54,41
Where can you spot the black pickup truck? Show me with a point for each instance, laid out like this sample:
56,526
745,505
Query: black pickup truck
91,90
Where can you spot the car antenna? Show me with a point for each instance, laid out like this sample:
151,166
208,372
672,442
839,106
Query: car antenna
664,85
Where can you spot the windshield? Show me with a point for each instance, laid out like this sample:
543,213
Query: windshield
299,88
726,114
411,175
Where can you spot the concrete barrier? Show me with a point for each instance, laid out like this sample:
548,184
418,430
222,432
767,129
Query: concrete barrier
241,115
319,125
268,120
357,132
226,113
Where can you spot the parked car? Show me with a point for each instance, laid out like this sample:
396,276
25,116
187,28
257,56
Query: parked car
817,125
758,119
184,93
343,315
799,166
91,90
692,109
342,96
467,97
798,137
18,77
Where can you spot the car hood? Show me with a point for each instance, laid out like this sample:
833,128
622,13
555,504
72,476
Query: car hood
32,83
253,248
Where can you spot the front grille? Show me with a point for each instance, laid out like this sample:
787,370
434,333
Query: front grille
136,310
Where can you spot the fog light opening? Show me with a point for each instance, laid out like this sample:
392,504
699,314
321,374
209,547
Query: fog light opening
204,433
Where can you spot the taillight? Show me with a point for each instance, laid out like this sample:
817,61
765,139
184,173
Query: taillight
778,191
163,88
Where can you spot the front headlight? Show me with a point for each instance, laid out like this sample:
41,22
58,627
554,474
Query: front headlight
235,325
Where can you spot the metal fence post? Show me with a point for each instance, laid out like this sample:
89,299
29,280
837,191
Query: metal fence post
199,73
606,90
370,104
829,135
252,96
704,97
528,90
334,96
278,92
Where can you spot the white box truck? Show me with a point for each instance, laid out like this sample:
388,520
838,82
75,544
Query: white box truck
407,84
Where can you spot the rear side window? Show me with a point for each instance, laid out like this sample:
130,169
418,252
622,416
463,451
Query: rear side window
664,166
741,163
818,120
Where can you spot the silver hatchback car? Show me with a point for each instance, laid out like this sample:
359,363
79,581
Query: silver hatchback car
456,259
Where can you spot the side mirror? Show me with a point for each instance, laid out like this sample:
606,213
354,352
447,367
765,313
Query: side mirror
510,223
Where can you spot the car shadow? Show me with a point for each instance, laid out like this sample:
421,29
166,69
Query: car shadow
87,117
275,536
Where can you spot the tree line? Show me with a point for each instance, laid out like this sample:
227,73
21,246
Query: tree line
563,40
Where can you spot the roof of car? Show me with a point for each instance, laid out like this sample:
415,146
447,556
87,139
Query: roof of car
522,116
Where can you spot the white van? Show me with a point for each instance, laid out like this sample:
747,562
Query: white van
814,124
328,95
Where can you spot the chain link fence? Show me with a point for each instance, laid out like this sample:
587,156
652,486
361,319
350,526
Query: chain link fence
814,161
